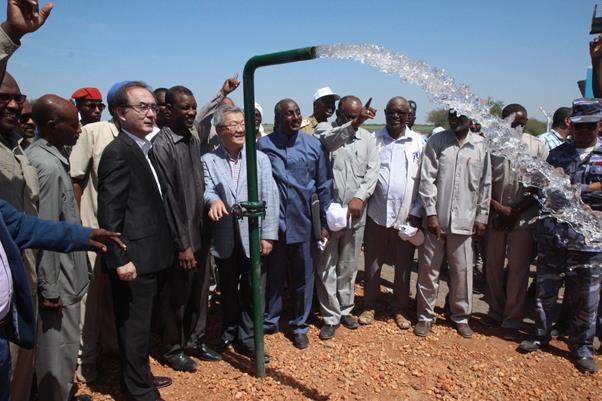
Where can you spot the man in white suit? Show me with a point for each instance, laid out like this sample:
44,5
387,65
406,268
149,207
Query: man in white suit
225,185
396,191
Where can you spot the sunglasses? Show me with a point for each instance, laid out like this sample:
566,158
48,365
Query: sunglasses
5,98
24,118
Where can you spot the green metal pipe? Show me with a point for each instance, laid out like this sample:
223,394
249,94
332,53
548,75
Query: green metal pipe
289,56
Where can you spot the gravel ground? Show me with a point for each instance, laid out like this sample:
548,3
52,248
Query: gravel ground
377,362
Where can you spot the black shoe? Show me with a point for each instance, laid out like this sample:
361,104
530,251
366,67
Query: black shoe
559,331
327,331
270,330
182,363
510,334
300,340
349,322
202,351
161,381
585,365
531,345
222,345
488,321
250,353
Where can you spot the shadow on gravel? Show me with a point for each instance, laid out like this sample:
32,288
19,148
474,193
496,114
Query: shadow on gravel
246,365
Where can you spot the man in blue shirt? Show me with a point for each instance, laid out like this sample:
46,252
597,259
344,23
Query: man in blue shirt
563,255
300,167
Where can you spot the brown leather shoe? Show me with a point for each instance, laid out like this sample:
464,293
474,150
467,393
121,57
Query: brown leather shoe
422,328
464,330
367,317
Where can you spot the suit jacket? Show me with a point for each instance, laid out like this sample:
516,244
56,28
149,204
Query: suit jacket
129,202
219,185
19,231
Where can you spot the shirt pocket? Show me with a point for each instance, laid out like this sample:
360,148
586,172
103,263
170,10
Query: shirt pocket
358,159
301,170
474,172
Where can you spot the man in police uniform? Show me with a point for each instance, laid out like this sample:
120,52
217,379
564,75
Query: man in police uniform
563,254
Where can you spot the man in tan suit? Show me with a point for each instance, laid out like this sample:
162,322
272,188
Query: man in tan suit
510,235
97,320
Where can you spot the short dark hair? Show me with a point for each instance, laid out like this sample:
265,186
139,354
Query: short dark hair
170,96
560,115
120,97
513,108
161,89
347,98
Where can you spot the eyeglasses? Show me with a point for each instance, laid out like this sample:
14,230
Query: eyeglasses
24,118
399,113
234,126
143,108
95,105
5,98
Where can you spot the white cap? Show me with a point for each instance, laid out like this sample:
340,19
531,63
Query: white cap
413,235
258,108
325,91
336,217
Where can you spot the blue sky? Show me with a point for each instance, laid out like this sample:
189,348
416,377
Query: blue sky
530,52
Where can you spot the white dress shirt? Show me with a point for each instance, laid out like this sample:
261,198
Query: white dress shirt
6,284
145,145
389,194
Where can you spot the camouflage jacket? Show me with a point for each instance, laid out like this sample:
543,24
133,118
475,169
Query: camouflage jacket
582,173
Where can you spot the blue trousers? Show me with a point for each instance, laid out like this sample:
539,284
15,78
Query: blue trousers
291,263
583,288
4,367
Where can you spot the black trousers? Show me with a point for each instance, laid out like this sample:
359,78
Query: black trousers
133,304
184,306
237,297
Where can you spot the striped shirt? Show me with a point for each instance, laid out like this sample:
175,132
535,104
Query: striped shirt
234,167
551,139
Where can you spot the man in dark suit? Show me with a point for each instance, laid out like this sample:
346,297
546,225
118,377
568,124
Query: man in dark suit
184,301
130,200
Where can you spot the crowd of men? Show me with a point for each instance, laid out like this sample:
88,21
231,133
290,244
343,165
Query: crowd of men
167,178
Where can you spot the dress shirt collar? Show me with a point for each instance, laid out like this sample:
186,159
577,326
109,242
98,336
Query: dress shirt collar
471,138
285,138
144,144
53,150
175,137
557,135
403,138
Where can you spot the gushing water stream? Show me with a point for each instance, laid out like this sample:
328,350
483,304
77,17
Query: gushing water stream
559,198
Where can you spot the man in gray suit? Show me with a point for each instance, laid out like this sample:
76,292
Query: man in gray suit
226,184
355,165
62,278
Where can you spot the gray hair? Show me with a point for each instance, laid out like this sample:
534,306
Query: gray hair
220,114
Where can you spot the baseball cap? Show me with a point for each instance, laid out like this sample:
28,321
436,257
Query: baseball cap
325,91
586,111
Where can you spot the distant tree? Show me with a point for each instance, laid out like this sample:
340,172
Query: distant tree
495,107
536,127
438,118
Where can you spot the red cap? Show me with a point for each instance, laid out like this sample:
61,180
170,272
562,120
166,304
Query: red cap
87,94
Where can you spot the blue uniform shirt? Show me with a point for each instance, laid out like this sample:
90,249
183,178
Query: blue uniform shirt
301,168
581,173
